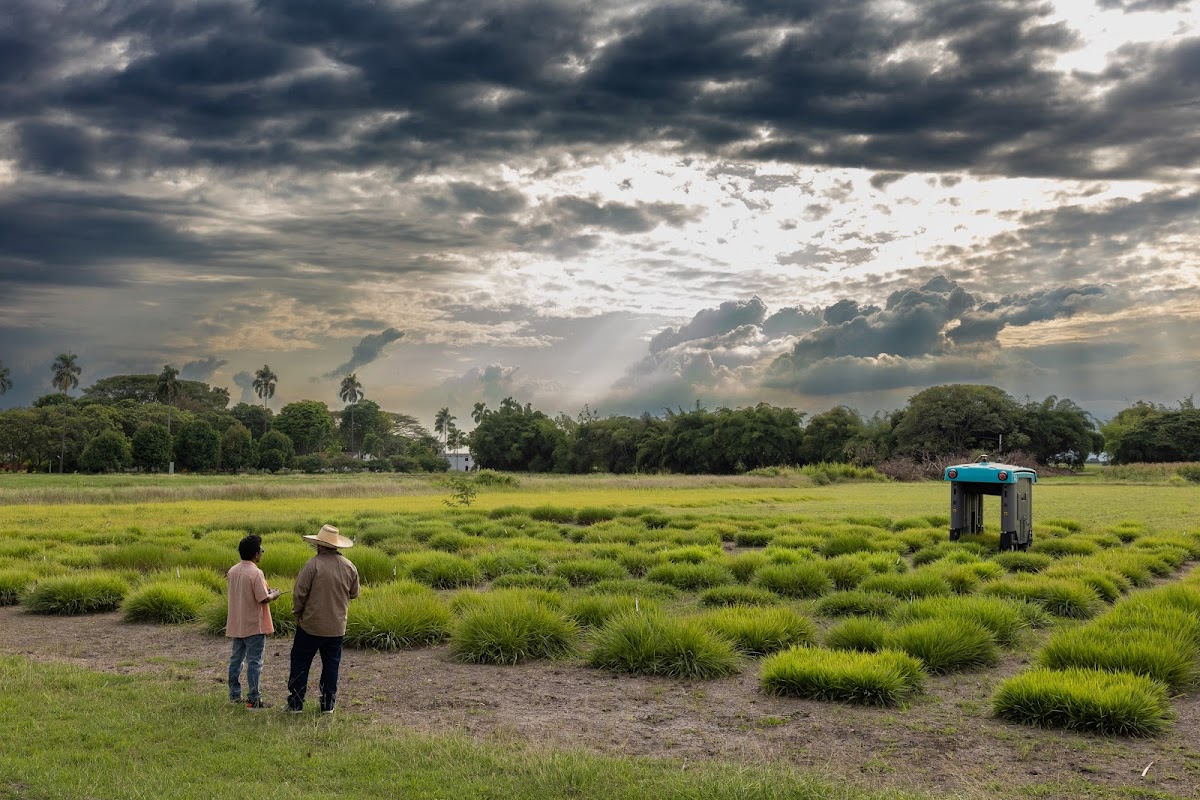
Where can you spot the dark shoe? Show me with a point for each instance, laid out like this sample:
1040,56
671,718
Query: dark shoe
326,710
235,701
257,705
290,710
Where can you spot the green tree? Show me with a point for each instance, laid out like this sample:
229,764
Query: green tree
107,452
5,379
152,447
478,411
350,393
257,419
443,423
957,418
515,438
1126,419
1059,432
167,390
66,377
307,423
264,383
197,447
1166,437
827,435
276,451
237,448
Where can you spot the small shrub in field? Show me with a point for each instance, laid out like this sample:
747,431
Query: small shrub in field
141,556
753,538
1023,561
911,523
550,513
13,584
908,585
507,562
655,644
1133,565
856,602
443,570
166,601
1004,619
1057,548
691,555
635,588
885,678
847,572
802,579
208,555
690,577
1188,542
1172,556
1108,586
870,521
471,599
1060,597
512,629
744,565
86,593
450,541
284,559
593,611
1167,658
738,596
1150,615
636,561
1066,524
586,571
946,644
389,619
758,631
591,515
962,578
1185,597
526,580
1085,700
211,580
865,634
845,544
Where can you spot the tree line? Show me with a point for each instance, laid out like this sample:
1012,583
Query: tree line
148,421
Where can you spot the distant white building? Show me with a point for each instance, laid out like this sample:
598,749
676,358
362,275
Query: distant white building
460,460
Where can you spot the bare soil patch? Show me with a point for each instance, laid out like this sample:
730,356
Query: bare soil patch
945,742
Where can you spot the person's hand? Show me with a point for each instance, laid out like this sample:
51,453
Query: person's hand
273,594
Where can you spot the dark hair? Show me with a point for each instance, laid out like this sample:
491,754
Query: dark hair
248,548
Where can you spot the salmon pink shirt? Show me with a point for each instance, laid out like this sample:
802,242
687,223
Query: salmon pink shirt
249,614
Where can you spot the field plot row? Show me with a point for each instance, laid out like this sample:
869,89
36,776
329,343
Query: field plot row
857,608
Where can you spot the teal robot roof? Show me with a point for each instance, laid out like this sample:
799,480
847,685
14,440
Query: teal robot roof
984,471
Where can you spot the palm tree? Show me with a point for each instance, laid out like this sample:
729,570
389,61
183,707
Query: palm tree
5,379
443,423
478,412
66,378
264,383
351,392
168,390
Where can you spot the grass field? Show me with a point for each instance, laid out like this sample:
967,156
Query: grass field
619,574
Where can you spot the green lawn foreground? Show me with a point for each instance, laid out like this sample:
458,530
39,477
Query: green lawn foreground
70,733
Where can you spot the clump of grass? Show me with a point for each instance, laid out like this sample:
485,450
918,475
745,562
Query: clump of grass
848,571
13,584
758,631
1067,546
508,562
744,565
885,678
591,515
690,554
865,634
593,611
690,577
285,560
525,580
1109,703
1004,619
636,588
652,643
374,566
140,556
1060,597
86,593
473,599
549,513
166,601
845,544
450,541
946,644
443,570
801,579
586,571
396,617
1150,615
509,629
908,585
856,602
751,537
738,596
1165,657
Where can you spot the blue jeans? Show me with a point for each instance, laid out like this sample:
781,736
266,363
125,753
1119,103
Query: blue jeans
304,647
249,649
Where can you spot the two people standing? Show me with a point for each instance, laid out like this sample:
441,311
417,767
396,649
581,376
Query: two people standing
320,602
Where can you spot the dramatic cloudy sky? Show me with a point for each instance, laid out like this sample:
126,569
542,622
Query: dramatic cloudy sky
634,205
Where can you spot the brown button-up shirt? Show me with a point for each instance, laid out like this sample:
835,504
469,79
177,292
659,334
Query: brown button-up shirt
322,595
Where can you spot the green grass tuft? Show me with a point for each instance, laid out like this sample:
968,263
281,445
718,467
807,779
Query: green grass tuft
757,631
85,593
908,585
655,644
510,629
864,634
167,601
395,617
856,602
14,583
1085,700
738,596
946,644
442,570
1165,657
586,571
801,579
885,678
690,577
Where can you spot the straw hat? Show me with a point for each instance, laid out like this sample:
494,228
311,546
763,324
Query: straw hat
331,537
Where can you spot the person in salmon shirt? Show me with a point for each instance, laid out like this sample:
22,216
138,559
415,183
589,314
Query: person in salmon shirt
249,621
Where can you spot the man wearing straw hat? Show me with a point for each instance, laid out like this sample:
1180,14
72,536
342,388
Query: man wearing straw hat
324,588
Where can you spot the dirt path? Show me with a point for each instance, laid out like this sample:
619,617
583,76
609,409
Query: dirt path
944,742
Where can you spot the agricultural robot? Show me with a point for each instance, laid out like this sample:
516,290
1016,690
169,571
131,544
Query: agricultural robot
970,482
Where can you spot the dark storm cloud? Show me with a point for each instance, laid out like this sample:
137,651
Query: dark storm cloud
791,321
958,84
712,322
201,369
1142,5
245,382
983,323
366,351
